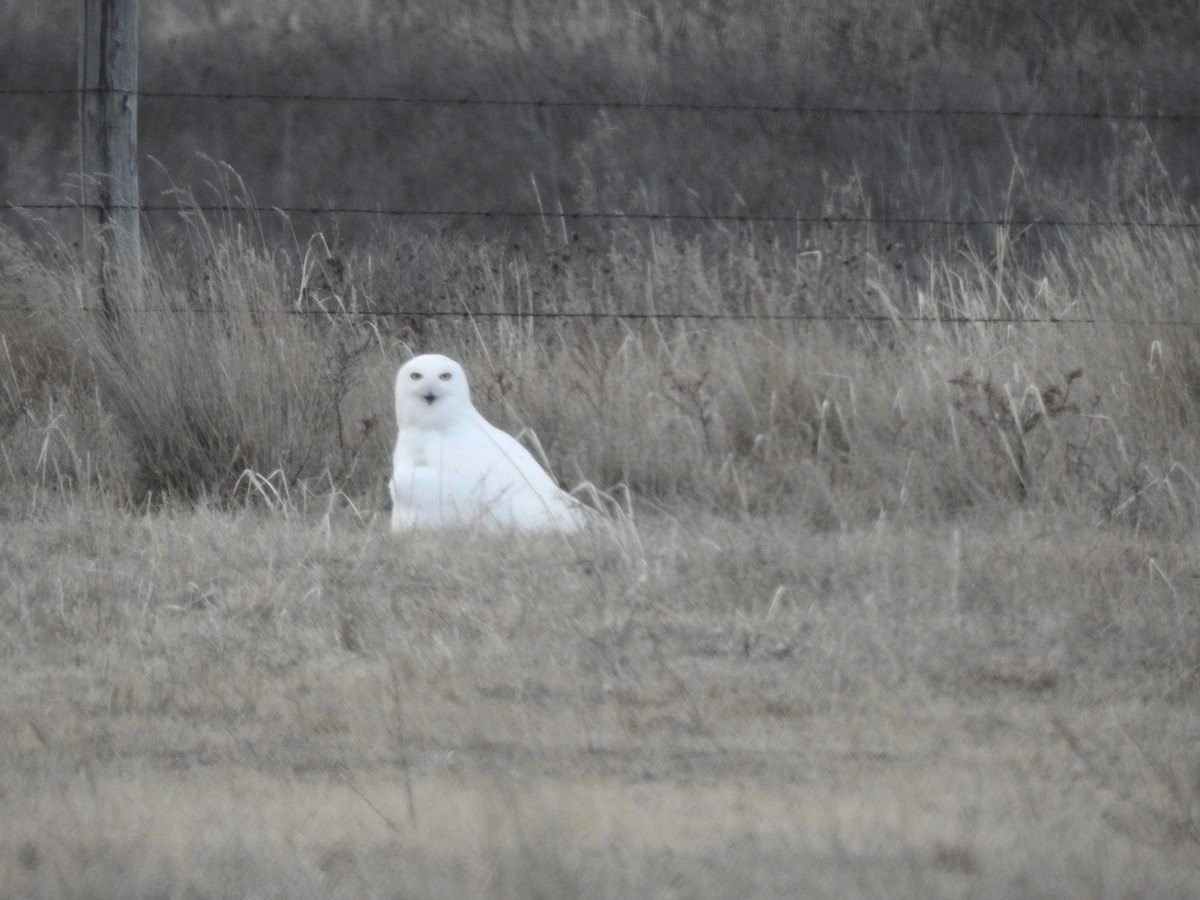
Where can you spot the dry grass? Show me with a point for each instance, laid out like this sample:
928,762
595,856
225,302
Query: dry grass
900,608
239,369
894,608
203,703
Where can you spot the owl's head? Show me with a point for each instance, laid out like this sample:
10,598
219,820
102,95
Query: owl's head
431,392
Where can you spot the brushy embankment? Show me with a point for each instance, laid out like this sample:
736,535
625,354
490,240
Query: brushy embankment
838,395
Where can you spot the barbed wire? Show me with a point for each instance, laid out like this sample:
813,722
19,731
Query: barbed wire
842,318
651,105
594,215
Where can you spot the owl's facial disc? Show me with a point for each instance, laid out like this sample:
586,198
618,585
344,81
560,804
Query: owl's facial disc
429,381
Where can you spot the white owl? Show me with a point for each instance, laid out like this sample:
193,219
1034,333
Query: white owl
452,467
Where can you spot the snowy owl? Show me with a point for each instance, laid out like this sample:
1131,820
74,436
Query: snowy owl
452,467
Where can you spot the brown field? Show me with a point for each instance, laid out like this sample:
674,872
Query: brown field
247,703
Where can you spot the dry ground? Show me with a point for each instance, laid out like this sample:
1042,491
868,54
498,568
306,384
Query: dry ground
294,703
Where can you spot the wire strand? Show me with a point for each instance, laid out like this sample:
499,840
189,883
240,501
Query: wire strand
592,215
652,105
868,319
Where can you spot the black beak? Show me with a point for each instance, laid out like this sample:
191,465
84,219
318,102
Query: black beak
429,398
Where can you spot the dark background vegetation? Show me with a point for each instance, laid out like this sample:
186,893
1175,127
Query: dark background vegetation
1093,58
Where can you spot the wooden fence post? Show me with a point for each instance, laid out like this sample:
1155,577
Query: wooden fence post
108,129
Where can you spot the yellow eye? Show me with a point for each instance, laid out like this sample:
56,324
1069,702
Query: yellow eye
445,376
415,376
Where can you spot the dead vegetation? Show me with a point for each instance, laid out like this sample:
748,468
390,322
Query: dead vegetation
897,591
235,703
887,606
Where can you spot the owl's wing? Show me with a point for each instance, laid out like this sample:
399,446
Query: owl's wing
474,473
514,453
509,483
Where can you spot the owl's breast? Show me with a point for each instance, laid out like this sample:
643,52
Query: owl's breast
418,449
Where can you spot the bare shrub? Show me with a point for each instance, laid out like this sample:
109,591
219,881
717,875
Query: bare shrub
1008,420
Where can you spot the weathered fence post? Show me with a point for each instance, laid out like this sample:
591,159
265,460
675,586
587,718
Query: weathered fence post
108,128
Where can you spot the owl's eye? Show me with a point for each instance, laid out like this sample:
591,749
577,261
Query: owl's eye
445,376
415,376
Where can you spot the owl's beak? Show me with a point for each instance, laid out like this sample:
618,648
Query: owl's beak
429,397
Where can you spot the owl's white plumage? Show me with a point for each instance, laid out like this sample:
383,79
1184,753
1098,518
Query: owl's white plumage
451,467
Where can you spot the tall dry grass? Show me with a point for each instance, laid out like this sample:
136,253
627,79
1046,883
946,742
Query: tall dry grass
844,395
213,373
841,421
